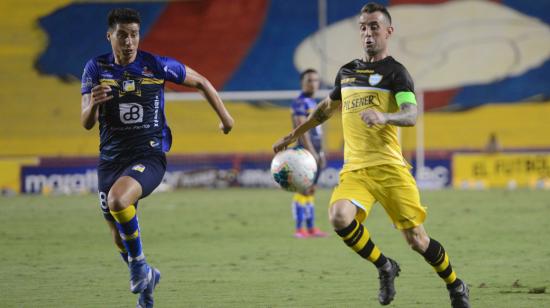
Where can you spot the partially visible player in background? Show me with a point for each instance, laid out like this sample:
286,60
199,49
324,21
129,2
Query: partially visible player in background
303,204
124,91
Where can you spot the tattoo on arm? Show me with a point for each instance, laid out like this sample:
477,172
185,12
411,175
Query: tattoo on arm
405,117
325,110
319,115
322,112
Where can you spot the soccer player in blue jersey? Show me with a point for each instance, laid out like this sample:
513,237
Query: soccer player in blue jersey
303,207
124,91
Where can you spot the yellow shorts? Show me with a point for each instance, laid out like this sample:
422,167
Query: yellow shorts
391,185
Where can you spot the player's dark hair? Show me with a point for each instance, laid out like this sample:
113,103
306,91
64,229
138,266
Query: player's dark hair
372,7
307,71
123,16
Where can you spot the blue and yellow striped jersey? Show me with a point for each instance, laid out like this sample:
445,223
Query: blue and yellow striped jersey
133,123
304,106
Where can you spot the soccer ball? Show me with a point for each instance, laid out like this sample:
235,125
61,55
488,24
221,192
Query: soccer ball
294,169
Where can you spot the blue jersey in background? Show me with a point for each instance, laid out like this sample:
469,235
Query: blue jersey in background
304,106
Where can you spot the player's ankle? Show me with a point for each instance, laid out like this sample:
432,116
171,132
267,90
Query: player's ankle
386,267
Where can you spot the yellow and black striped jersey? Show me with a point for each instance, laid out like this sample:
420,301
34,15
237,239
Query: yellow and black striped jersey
383,85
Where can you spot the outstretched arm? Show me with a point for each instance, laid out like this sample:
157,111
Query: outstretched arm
205,88
406,116
305,139
322,112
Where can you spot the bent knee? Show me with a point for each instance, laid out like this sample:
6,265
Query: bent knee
117,202
341,214
125,191
418,241
417,245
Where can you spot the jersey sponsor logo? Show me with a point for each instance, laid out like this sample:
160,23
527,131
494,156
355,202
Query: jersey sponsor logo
364,71
171,72
131,128
375,79
105,64
359,101
156,118
131,113
139,168
348,80
147,72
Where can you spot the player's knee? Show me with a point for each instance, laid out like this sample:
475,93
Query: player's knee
416,245
117,202
418,241
341,215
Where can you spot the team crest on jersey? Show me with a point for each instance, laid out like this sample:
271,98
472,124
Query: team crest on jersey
375,79
139,168
128,85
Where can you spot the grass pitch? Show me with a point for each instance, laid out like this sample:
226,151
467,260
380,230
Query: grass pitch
233,248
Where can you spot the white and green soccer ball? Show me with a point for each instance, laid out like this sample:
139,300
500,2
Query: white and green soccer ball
294,169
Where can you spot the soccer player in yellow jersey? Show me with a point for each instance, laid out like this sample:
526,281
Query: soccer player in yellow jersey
376,95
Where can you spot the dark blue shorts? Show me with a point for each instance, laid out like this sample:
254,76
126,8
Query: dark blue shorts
148,171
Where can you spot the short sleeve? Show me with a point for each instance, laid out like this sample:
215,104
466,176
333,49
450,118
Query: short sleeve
403,81
299,108
403,87
174,70
89,77
336,93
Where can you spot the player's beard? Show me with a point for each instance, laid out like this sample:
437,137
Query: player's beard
370,51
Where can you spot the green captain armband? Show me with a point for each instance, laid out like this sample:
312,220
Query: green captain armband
405,97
